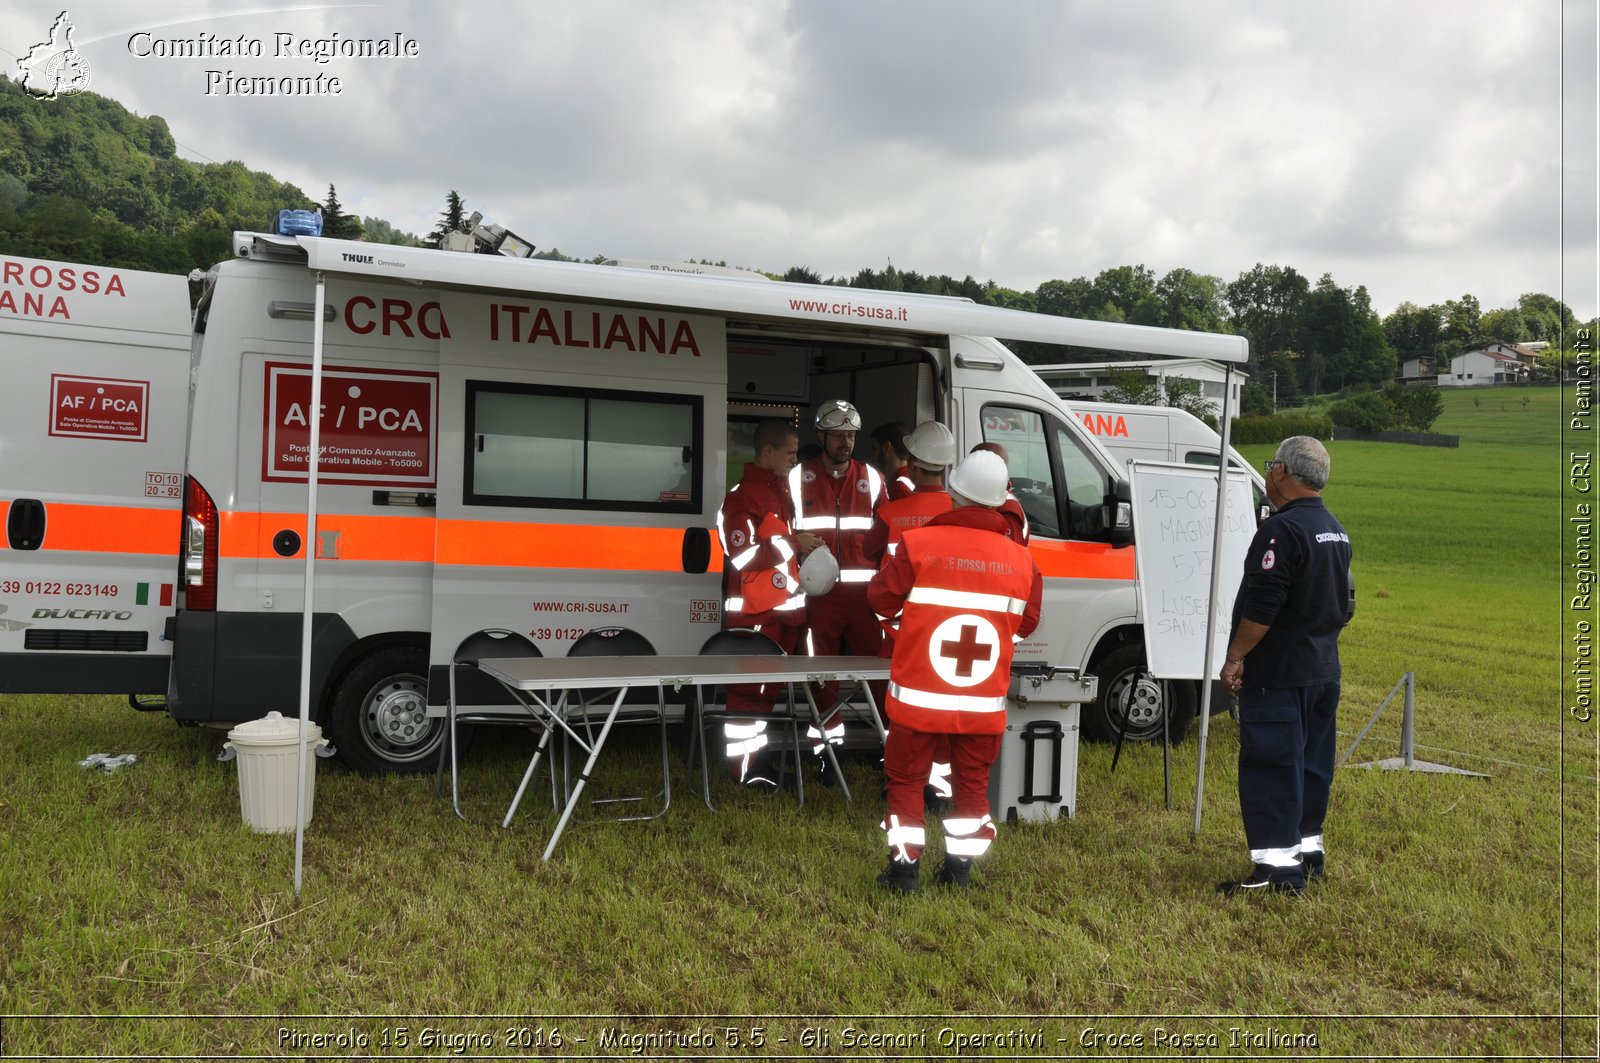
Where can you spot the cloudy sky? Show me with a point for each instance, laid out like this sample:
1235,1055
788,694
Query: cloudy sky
1415,148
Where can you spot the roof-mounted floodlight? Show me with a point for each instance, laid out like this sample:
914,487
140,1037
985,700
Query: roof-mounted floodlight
514,246
490,239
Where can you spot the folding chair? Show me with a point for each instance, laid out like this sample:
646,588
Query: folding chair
482,691
593,706
730,643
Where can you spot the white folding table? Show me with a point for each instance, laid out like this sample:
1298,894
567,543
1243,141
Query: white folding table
550,679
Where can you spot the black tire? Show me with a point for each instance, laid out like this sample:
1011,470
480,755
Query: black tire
1124,686
379,715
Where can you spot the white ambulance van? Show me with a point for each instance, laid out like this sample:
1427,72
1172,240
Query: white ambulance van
1155,433
543,446
93,409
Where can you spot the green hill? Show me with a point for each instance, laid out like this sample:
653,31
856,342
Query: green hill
86,180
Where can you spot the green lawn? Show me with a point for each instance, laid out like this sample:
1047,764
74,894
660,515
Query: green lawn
1459,918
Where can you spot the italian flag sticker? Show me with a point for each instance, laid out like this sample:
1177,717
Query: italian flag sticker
142,596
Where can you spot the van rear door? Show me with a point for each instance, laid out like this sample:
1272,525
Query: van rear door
92,420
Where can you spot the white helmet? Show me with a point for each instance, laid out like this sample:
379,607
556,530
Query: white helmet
931,445
819,571
981,477
837,415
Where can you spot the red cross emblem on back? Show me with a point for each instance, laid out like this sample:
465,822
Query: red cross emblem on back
966,649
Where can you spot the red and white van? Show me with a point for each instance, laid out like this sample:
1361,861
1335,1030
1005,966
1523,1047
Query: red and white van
93,416
526,444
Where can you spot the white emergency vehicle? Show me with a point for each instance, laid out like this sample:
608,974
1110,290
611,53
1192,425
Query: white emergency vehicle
1131,432
539,446
94,366
1153,433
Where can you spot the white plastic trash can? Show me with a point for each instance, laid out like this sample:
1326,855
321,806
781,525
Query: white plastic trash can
268,770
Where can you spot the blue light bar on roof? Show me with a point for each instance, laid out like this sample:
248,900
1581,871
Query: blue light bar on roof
300,222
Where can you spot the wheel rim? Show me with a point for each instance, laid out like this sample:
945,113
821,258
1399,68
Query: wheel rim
1140,700
394,720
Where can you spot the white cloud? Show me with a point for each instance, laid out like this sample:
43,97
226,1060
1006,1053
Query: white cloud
1410,150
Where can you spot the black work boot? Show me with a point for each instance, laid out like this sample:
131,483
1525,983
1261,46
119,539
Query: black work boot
1315,866
1265,878
826,776
759,774
955,871
900,877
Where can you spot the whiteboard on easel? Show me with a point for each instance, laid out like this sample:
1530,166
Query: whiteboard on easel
1174,512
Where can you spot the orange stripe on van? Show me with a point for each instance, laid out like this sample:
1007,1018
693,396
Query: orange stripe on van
466,542
1079,560
110,529
361,538
490,543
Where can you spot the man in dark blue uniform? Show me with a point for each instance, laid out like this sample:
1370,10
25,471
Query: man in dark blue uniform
1283,663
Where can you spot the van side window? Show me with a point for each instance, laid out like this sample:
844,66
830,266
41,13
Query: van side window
1061,488
572,448
1086,488
1022,433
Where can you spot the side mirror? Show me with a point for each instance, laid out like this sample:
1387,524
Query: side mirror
1119,514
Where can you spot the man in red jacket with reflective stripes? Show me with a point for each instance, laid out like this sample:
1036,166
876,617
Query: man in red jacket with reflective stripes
890,457
931,451
965,592
835,498
762,576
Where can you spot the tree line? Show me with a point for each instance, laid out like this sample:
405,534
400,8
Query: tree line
86,180
1305,339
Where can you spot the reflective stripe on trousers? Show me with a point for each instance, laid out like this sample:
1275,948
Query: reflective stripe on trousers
1277,857
968,838
834,733
902,840
745,737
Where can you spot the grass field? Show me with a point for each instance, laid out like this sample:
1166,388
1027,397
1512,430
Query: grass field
137,915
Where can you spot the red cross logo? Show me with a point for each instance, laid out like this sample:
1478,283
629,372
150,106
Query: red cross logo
964,650
967,650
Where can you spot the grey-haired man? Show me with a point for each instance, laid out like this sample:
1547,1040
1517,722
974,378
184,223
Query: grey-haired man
1283,663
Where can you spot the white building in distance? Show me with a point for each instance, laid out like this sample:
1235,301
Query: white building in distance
1485,368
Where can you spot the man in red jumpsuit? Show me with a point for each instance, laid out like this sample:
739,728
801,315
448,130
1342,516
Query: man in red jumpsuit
964,591
761,580
931,451
835,498
1012,510
890,457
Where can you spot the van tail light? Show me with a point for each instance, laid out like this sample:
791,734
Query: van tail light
199,547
